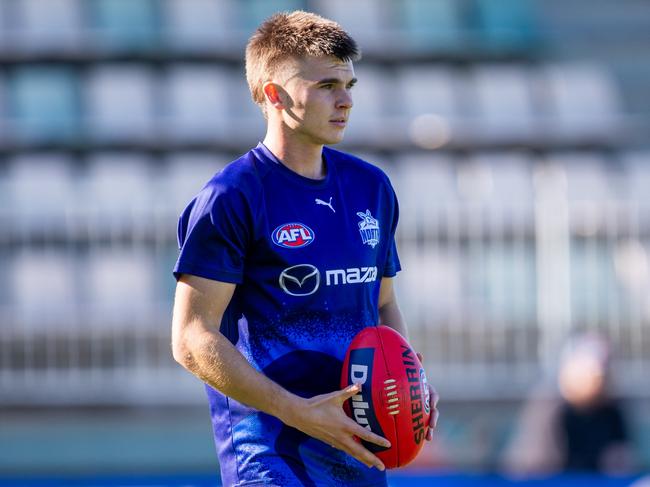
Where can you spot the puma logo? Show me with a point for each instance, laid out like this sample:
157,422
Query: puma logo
321,202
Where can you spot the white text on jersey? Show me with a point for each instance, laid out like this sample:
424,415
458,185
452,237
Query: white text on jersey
293,234
353,275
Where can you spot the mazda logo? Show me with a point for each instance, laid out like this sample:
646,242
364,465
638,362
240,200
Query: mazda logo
300,280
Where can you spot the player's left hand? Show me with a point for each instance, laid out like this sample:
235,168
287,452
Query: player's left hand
433,399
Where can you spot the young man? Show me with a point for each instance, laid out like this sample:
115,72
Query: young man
285,255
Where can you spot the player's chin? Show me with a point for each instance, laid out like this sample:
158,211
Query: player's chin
328,136
335,137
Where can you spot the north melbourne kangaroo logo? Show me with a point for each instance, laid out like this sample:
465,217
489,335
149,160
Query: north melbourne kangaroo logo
321,202
368,228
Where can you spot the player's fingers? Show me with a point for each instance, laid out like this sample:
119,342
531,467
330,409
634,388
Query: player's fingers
358,451
433,419
339,396
434,397
367,435
345,394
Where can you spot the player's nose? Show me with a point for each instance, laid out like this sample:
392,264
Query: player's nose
344,100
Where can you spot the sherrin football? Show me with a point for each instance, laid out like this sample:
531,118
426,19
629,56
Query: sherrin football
394,399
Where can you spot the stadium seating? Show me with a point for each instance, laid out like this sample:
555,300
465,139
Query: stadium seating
197,103
52,26
428,89
430,26
125,25
117,191
583,104
3,21
45,103
502,105
636,167
121,289
508,182
41,195
507,24
44,290
199,25
114,91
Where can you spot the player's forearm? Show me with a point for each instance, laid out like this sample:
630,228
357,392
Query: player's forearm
391,315
213,359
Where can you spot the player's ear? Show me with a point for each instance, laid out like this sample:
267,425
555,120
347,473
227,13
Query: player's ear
273,94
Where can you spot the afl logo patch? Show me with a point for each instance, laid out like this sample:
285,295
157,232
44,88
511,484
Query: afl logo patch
293,235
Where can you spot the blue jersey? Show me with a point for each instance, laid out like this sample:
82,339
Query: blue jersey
307,257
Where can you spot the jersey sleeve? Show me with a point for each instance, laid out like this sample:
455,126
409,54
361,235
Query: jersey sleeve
393,265
213,234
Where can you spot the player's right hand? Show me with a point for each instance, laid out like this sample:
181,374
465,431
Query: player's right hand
322,417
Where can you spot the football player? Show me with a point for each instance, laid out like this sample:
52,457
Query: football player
285,255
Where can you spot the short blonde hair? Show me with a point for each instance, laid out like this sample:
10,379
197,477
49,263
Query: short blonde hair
293,34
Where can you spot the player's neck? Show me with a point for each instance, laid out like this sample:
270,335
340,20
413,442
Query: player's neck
301,158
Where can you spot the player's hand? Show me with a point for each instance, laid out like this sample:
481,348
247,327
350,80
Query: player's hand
323,417
433,419
433,401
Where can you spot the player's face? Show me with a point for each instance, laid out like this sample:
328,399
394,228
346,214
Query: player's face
319,99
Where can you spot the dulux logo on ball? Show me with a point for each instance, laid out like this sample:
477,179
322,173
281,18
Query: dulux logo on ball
293,235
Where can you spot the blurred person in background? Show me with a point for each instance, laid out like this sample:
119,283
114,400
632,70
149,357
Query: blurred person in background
592,423
256,315
583,429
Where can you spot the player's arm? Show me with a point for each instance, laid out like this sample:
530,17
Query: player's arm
391,315
199,346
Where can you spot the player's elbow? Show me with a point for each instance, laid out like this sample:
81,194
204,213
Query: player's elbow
182,348
182,354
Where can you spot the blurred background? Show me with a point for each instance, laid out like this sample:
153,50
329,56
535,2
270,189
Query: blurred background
517,136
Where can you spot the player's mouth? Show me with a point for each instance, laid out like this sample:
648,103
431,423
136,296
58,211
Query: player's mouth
339,122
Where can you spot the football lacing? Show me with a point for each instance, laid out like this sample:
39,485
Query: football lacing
393,398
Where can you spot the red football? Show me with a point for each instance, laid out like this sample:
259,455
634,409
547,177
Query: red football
394,397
